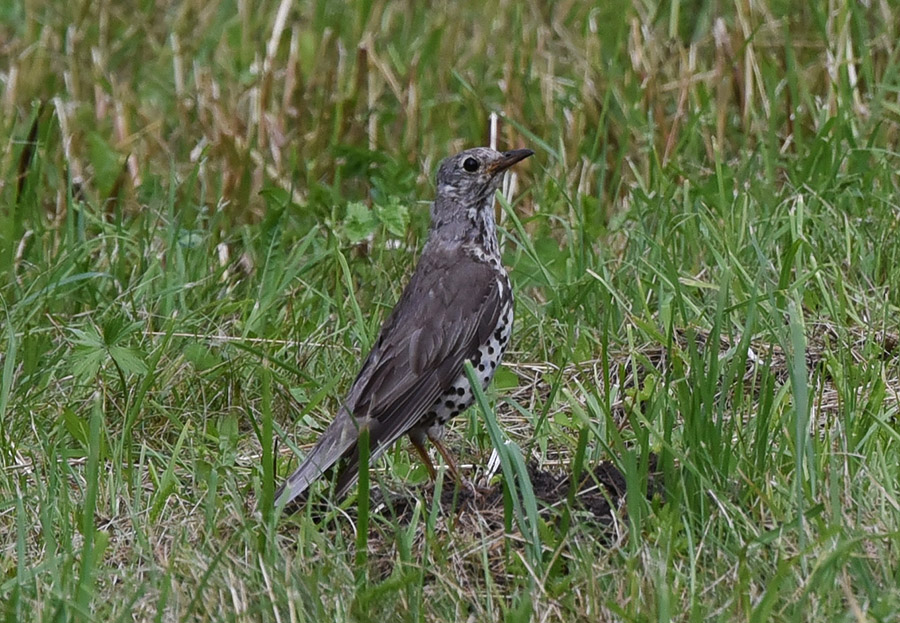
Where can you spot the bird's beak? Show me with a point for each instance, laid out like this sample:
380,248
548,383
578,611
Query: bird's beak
509,158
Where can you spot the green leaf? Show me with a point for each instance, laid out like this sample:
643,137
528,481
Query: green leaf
87,361
88,338
76,427
191,238
117,330
107,162
359,222
275,197
505,378
202,357
131,360
394,216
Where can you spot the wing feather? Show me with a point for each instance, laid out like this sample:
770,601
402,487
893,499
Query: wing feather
449,308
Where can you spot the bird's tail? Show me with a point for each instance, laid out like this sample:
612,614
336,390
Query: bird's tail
338,440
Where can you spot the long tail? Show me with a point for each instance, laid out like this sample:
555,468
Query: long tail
338,440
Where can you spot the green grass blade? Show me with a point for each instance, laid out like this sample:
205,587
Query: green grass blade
517,481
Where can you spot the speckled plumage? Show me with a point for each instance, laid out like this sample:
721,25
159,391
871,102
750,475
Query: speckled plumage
457,306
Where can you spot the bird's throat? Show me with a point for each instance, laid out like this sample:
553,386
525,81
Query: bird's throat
483,230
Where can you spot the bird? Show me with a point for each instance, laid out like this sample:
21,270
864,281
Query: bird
457,306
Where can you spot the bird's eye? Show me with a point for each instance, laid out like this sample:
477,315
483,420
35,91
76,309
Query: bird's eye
470,165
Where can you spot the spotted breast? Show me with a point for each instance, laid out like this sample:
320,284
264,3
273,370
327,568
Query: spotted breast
459,396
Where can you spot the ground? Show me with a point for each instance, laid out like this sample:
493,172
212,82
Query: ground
208,208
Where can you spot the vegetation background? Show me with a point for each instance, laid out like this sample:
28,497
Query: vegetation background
206,209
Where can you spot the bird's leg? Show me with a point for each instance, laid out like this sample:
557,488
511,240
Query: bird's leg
454,469
419,445
462,483
450,461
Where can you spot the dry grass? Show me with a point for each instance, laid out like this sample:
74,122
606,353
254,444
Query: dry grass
704,253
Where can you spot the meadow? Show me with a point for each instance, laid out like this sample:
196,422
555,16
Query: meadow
208,208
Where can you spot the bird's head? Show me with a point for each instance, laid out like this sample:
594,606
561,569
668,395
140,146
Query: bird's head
466,183
472,176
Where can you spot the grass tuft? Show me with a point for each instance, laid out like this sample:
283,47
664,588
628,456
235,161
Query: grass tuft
204,220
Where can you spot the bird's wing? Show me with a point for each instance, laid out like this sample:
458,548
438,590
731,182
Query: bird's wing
444,315
449,308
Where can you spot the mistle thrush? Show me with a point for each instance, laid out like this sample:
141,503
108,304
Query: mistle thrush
457,306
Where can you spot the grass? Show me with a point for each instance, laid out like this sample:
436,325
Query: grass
207,210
